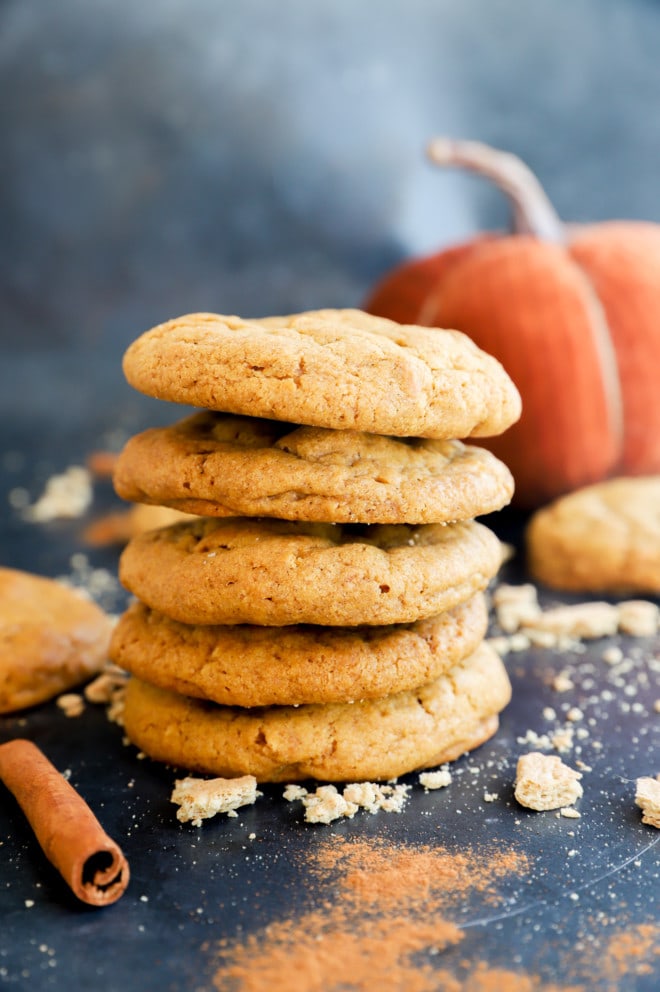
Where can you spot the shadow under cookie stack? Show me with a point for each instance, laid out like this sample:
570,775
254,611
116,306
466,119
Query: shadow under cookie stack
322,614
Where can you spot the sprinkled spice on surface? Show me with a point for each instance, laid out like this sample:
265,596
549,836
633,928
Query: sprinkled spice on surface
385,918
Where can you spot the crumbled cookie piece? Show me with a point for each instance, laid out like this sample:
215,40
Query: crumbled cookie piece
505,643
612,655
562,682
374,797
293,792
582,620
65,495
327,804
544,782
562,739
72,704
198,799
514,605
541,638
439,779
108,689
639,618
103,688
537,740
570,813
647,797
115,709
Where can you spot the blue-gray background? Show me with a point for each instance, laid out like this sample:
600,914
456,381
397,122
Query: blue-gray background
263,157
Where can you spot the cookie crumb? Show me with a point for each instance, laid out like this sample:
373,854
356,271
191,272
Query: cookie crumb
544,782
66,495
374,797
537,740
293,792
439,779
582,620
639,618
570,812
515,605
327,804
103,688
490,797
198,799
647,797
72,704
562,682
509,642
115,709
562,740
612,655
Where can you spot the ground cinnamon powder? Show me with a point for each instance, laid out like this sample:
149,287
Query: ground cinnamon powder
611,951
384,876
385,924
634,951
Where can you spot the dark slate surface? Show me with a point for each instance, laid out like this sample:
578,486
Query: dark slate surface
259,158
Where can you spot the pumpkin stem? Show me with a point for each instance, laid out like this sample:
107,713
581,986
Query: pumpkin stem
532,211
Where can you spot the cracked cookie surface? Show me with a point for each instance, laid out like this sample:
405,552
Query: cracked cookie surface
369,740
341,369
215,464
276,573
265,666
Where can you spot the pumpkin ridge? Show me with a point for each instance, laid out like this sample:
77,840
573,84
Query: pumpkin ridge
396,293
606,353
477,296
425,316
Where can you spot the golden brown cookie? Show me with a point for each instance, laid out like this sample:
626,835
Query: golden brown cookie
51,638
605,537
274,666
373,739
218,465
341,369
275,572
119,527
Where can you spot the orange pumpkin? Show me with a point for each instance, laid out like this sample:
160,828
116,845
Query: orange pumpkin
573,314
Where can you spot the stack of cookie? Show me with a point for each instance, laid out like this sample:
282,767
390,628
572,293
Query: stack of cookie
323,616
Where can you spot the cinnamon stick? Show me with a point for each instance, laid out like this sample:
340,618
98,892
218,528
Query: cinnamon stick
71,837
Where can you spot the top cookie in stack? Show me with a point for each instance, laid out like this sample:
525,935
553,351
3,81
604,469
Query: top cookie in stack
335,501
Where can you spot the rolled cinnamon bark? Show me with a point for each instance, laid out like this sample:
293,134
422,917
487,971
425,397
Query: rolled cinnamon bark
71,837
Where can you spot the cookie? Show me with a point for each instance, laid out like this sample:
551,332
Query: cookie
219,465
275,666
51,639
119,527
373,739
275,572
342,369
603,538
